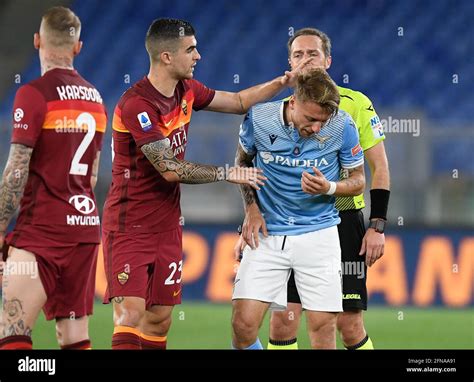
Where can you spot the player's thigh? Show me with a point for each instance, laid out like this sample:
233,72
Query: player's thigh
263,273
165,285
22,291
354,271
317,267
127,261
75,288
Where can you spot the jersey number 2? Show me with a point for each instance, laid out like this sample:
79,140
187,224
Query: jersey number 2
78,168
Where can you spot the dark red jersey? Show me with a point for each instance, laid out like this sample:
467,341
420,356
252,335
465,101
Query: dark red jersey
140,199
61,116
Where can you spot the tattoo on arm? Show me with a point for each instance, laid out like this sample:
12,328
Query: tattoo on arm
161,156
355,177
242,159
13,183
13,314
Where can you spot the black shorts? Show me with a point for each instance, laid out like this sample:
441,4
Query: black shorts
354,271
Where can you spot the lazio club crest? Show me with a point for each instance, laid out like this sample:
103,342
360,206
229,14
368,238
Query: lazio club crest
184,107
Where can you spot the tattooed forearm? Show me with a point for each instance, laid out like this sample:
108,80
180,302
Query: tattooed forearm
13,183
242,159
13,316
175,170
354,184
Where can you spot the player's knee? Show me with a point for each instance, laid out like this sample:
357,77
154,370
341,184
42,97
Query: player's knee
324,326
351,326
155,326
244,327
128,314
283,326
72,331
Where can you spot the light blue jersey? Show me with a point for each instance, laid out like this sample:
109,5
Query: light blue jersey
284,155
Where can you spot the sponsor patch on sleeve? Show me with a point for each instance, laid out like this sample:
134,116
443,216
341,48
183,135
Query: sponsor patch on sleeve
356,149
145,121
377,127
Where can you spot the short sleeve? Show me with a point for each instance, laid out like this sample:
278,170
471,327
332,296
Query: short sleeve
351,154
141,118
370,126
203,95
29,111
246,136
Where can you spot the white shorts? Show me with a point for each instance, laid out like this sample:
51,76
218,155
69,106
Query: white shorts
315,258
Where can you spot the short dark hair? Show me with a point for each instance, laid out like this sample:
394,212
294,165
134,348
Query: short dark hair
163,34
312,32
316,86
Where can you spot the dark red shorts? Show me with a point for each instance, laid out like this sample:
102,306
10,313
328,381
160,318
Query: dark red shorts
146,265
67,272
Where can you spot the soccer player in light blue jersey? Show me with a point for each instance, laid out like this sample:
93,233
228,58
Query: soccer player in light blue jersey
301,145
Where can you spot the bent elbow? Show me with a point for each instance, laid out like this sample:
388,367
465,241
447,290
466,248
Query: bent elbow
170,176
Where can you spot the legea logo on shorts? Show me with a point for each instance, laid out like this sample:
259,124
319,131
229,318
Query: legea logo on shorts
82,203
267,158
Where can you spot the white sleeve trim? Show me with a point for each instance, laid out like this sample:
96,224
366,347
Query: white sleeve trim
354,164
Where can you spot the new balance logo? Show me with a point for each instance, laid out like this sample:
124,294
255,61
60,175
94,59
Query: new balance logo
273,138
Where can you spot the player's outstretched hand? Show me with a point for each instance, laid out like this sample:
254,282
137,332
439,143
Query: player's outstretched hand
314,184
253,223
289,79
246,175
373,245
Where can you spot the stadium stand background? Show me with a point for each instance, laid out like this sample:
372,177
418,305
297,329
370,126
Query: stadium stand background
412,58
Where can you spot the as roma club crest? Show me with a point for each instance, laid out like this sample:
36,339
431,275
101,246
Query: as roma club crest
184,107
122,278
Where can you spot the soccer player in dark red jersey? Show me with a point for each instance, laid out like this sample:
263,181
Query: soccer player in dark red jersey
141,232
58,125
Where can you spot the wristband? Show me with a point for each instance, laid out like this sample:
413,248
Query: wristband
332,188
379,203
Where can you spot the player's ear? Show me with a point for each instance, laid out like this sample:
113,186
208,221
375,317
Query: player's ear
328,62
77,47
165,57
291,102
36,40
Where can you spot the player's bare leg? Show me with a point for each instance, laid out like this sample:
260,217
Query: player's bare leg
23,298
321,329
128,312
284,325
155,325
73,333
247,317
350,325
